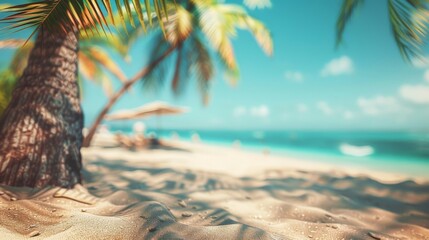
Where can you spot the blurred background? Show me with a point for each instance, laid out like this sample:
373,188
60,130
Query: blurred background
359,104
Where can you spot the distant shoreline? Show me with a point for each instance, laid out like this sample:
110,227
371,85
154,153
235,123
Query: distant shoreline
272,159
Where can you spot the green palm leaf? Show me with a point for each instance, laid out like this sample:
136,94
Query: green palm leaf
218,22
155,79
202,67
409,22
80,14
19,60
195,30
347,10
408,19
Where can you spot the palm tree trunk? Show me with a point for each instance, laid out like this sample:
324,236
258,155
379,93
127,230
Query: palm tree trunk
41,130
120,92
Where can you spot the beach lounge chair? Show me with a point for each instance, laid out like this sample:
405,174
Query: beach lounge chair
124,141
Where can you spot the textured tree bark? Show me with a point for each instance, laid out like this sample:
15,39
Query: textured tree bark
41,130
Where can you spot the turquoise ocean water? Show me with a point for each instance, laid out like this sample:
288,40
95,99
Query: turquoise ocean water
398,152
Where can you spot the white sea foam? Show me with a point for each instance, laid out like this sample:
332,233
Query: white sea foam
356,151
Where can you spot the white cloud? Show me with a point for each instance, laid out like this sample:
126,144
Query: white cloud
426,76
378,105
294,76
302,108
239,111
348,115
259,4
338,66
324,107
418,94
260,111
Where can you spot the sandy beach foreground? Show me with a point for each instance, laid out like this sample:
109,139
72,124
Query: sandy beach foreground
196,191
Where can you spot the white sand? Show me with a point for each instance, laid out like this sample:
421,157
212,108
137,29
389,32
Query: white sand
195,191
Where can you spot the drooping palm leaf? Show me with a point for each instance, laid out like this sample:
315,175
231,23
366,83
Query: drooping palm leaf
203,65
219,22
202,68
217,30
112,41
185,69
93,63
4,6
87,67
20,59
81,14
409,21
179,27
195,29
259,31
101,57
177,67
155,79
347,10
11,43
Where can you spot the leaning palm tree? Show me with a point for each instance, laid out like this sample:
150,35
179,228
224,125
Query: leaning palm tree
41,129
198,32
408,19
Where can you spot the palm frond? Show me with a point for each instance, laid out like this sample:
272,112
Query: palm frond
20,59
231,75
87,67
238,17
126,35
219,23
188,28
184,71
4,6
80,14
106,84
155,79
217,31
409,23
178,65
11,43
112,41
347,10
203,65
202,68
101,57
92,70
179,27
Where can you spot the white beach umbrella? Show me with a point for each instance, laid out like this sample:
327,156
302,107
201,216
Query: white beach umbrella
147,110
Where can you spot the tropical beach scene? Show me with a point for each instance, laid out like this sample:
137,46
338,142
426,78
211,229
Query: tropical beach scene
214,119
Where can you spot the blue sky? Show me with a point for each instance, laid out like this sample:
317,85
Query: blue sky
307,83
